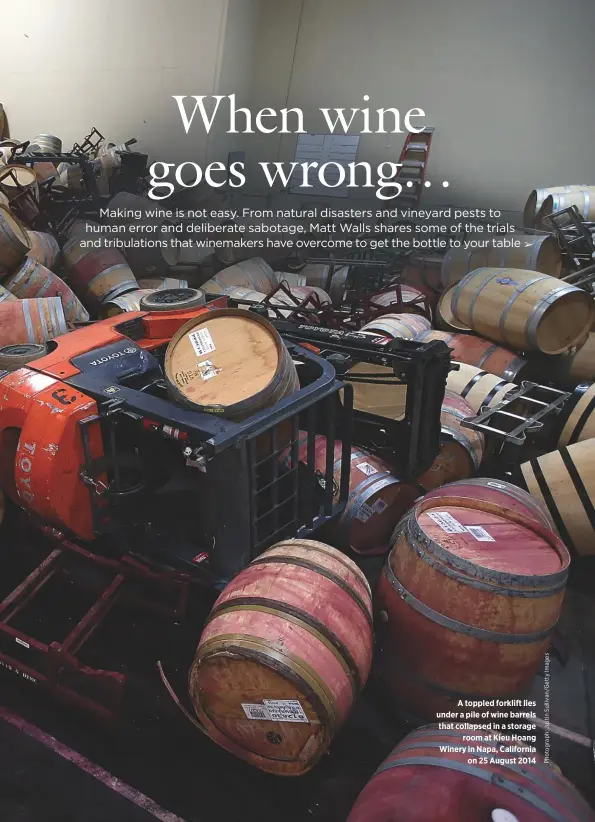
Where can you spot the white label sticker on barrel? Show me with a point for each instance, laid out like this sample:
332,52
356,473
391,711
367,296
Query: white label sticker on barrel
495,485
285,710
480,534
202,342
207,370
255,711
364,513
367,469
447,522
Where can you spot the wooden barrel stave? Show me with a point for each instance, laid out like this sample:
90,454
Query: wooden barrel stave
295,625
31,320
525,310
472,350
33,279
561,480
222,379
429,776
466,616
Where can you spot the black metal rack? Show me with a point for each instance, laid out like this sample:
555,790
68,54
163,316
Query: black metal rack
247,482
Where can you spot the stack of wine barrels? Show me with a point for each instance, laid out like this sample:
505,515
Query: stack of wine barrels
454,593
435,774
531,212
230,362
284,654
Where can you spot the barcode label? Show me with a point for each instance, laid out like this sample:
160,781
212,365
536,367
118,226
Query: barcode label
480,534
285,710
364,513
447,522
367,469
255,711
202,342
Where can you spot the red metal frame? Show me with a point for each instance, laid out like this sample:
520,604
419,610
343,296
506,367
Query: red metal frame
56,666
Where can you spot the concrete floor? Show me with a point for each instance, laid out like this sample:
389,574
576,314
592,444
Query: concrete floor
157,751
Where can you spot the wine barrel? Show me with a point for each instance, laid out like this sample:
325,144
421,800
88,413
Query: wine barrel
472,350
33,279
398,326
162,283
254,273
31,321
377,498
6,296
283,656
18,181
477,387
44,248
563,481
471,593
45,172
316,275
14,241
582,198
536,200
291,278
48,143
404,298
535,253
461,449
230,362
445,319
97,273
498,492
523,309
424,272
442,776
124,303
